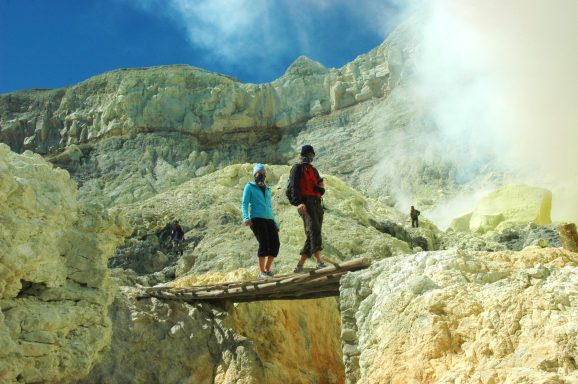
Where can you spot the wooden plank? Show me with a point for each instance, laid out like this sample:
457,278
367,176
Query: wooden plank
264,290
325,283
308,284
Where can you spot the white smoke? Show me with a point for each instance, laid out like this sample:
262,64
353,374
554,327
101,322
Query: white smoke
499,80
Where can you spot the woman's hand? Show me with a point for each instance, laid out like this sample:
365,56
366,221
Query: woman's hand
248,223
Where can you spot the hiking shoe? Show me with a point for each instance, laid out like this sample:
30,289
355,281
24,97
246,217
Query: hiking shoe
269,273
263,275
298,268
320,265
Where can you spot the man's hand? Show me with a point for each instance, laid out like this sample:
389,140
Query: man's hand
248,223
302,209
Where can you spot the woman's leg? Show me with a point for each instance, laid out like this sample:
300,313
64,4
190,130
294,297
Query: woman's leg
268,263
263,261
260,234
272,244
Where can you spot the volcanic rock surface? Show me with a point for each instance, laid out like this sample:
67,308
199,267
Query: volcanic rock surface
55,288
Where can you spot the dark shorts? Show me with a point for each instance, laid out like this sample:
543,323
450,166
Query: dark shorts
312,223
267,235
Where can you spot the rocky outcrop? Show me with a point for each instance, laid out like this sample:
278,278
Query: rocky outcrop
54,284
462,316
519,236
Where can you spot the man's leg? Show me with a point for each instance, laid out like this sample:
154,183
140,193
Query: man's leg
306,250
316,224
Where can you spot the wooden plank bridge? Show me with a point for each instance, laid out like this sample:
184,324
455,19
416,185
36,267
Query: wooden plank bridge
309,284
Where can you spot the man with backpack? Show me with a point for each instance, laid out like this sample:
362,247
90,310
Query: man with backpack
304,190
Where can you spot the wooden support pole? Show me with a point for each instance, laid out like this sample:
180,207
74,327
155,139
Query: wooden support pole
568,236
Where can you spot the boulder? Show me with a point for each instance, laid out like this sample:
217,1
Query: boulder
54,285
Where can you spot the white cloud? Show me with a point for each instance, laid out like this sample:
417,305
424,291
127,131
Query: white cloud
232,29
263,32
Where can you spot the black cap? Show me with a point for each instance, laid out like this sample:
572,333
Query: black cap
307,149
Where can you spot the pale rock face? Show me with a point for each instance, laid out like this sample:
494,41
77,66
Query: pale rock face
508,205
54,284
462,316
247,343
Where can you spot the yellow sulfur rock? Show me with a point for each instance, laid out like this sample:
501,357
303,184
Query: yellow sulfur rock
511,204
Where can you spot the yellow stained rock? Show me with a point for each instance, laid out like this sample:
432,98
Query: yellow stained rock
516,203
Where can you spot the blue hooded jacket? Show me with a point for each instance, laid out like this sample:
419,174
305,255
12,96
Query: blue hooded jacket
256,203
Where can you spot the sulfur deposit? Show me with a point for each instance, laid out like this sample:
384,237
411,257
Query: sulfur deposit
462,316
54,285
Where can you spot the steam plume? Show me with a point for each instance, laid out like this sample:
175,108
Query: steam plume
499,80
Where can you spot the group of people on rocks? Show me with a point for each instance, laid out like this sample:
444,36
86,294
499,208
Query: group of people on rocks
304,190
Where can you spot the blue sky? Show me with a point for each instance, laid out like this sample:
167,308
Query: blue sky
51,44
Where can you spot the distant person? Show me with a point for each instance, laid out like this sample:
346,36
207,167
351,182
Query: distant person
258,215
304,190
165,235
177,236
414,214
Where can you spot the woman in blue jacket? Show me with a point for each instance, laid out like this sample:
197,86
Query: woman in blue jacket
258,215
